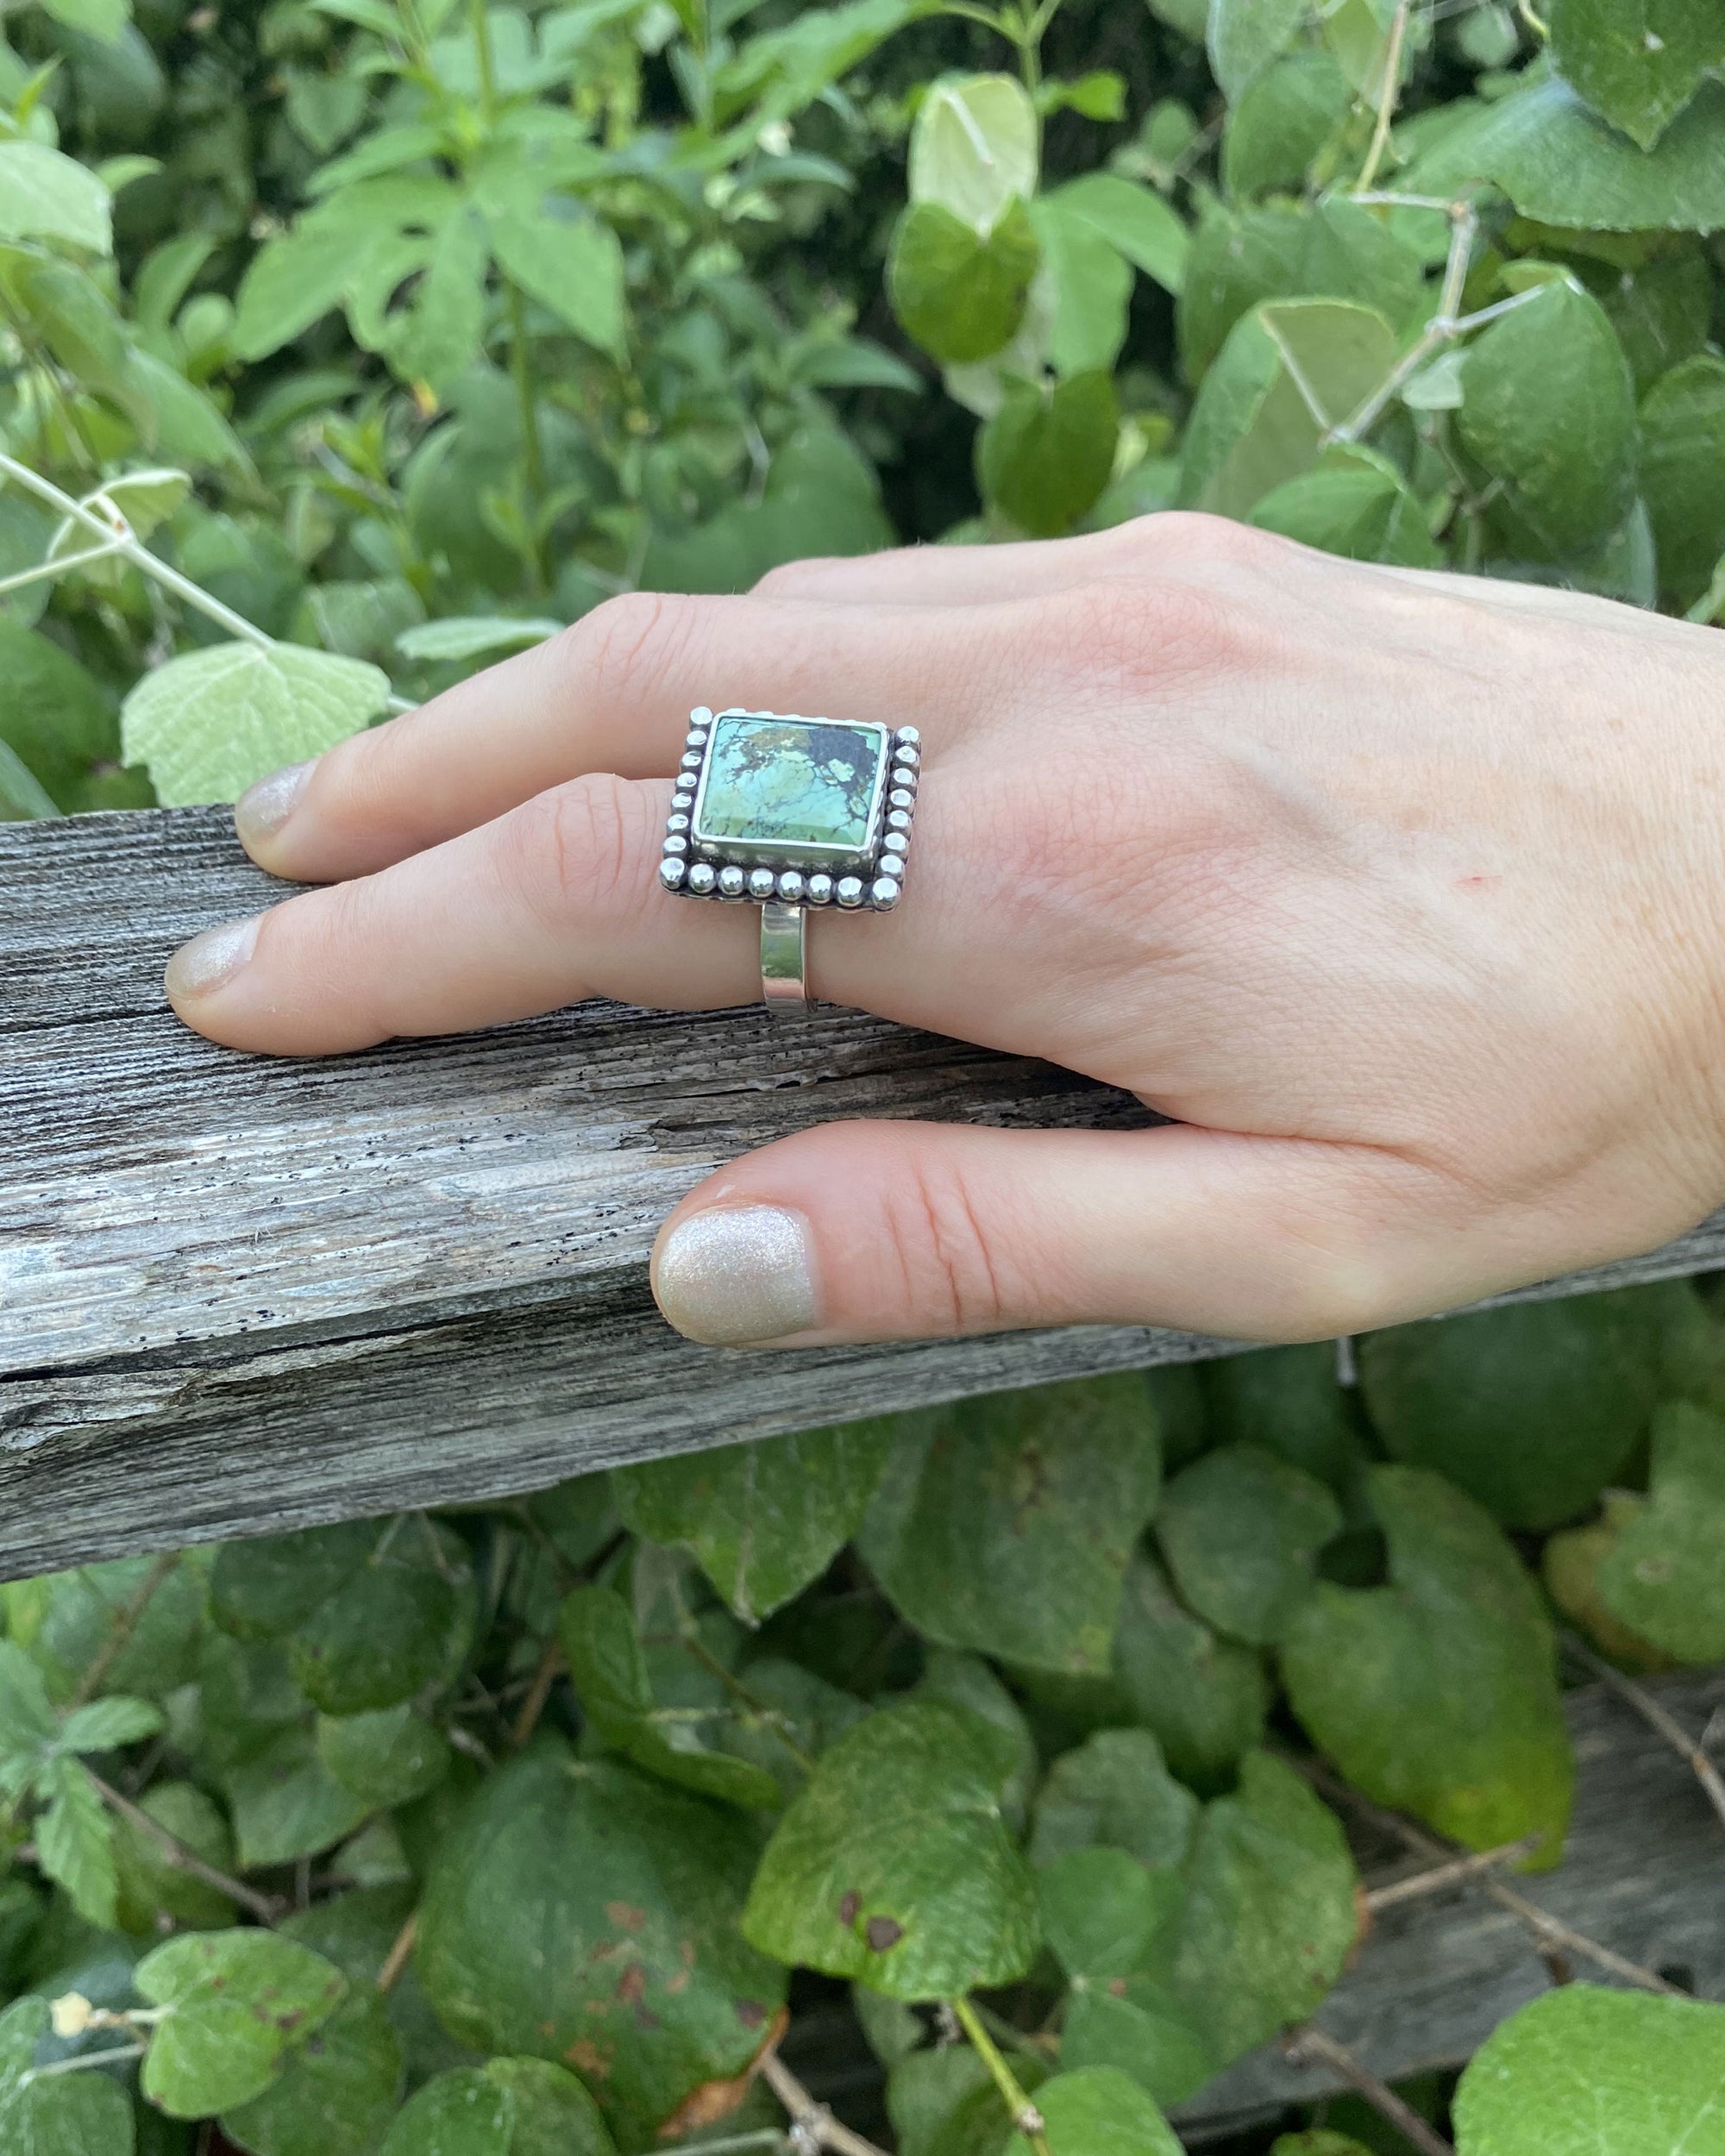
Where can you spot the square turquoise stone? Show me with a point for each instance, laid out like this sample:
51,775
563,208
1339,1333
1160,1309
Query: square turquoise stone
790,788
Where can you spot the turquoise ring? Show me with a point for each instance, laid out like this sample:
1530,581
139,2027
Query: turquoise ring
792,815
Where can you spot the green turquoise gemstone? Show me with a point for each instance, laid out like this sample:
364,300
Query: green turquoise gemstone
791,782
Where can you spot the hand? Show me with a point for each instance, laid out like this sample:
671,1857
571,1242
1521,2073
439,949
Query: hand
1403,893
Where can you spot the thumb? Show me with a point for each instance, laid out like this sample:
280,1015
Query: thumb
912,1230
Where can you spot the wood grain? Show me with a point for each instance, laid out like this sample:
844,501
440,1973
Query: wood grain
1643,1872
238,1294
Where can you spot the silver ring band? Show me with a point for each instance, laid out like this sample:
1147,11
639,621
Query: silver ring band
784,958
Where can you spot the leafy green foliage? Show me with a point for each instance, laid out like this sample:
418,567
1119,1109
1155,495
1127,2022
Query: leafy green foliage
1661,1575
1098,2111
1241,1532
1635,2074
71,2115
236,2002
1437,1694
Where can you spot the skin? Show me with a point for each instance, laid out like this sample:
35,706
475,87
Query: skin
1402,894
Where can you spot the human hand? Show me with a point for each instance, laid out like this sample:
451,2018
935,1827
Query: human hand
1402,893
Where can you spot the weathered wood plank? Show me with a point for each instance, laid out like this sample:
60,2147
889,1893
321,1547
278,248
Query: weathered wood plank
1643,1873
239,1294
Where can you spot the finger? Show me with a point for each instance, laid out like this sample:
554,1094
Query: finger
558,900
613,694
955,575
904,1231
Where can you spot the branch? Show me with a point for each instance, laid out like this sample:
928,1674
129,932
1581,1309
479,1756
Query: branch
1656,1717
399,1954
550,1667
125,1624
1386,96
1443,1875
812,2126
1309,2043
1548,1931
266,1907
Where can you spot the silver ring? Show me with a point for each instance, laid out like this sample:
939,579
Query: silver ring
794,815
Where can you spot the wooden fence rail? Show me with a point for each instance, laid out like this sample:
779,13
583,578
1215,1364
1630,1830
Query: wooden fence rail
238,1295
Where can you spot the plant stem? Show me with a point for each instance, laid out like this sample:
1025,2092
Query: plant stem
809,2119
521,367
81,2064
550,1664
1024,2114
19,578
1312,2043
1388,91
399,1954
1656,1717
125,1624
479,22
1449,1874
264,1907
127,542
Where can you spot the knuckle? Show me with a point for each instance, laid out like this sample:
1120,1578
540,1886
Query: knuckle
576,851
624,652
950,1272
798,580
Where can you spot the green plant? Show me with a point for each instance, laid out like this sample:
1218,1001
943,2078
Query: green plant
535,1823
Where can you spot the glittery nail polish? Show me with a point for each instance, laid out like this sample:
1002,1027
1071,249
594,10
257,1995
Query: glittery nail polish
210,960
738,1275
262,809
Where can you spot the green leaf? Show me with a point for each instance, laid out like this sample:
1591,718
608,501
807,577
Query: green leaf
266,1587
960,296
573,265
1582,2067
1664,1575
1683,472
1437,1694
581,1912
1338,251
1245,35
1269,1915
75,1842
1560,163
1320,2140
1240,1531
239,2000
1205,1699
471,637
1006,1524
388,1756
1098,2111
106,1724
1533,1409
209,722
1088,286
1287,1399
1045,456
46,196
150,1885
1548,411
677,1743
286,1803
27,1722
336,2091
436,337
762,1519
1134,220
894,1866
1357,32
508,2107
1637,62
1114,1788
52,714
67,2115
1280,122
1290,371
63,1620
975,148
1115,1927
1357,505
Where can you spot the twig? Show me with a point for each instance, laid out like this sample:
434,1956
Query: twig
125,1624
1387,95
1548,1931
1656,1717
550,1667
812,2126
266,1907
1443,1875
1023,2113
1310,2042
399,1954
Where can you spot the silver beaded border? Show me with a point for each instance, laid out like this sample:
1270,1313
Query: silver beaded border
708,875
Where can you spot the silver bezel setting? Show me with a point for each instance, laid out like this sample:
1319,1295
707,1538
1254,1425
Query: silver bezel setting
732,869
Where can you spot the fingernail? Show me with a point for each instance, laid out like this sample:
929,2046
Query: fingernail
262,809
738,1275
211,960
